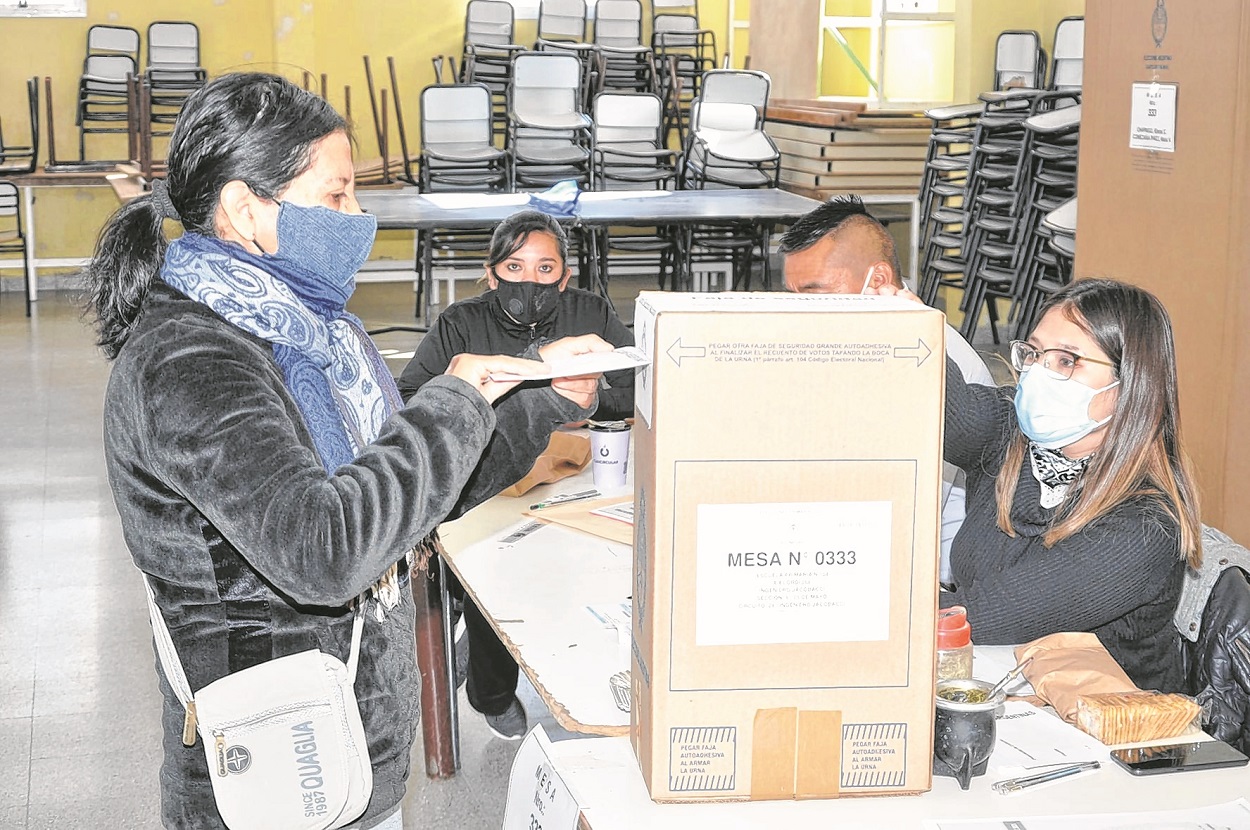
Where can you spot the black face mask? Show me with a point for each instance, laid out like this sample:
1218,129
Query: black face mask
528,303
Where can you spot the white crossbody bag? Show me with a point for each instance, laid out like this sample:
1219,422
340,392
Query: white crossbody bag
285,746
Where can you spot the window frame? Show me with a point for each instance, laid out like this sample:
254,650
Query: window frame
43,8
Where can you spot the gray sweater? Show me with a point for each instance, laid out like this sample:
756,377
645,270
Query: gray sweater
1119,577
253,551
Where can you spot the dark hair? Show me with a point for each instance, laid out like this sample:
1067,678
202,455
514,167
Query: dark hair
833,216
512,233
252,127
1142,452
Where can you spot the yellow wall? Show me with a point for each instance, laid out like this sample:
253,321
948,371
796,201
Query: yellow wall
284,36
291,36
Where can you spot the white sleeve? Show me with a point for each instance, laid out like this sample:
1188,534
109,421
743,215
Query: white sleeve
970,364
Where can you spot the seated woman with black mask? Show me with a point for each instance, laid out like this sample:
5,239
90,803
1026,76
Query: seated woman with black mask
529,303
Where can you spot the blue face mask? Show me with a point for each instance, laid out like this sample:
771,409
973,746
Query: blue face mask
322,249
1053,411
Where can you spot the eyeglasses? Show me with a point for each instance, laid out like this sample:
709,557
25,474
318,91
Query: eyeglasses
1059,361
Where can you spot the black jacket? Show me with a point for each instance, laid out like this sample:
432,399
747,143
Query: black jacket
1218,664
479,326
253,551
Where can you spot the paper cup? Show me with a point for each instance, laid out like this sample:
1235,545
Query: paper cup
609,453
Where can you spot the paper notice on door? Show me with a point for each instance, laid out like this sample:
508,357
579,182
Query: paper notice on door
801,572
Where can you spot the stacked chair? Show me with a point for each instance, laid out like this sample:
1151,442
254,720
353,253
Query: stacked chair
1019,60
457,149
726,144
489,46
562,29
1067,66
457,154
548,137
173,70
12,237
104,93
1050,270
625,63
628,154
1004,211
726,147
994,171
683,53
18,159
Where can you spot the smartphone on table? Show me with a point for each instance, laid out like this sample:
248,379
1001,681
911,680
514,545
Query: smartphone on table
1152,760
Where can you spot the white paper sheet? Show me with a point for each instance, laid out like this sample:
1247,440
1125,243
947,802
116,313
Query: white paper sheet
1232,815
624,357
468,201
622,512
616,195
1029,737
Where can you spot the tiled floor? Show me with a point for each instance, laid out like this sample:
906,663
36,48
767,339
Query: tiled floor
79,709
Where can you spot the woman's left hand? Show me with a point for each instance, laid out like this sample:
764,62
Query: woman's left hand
582,390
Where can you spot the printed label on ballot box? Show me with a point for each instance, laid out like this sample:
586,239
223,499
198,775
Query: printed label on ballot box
813,572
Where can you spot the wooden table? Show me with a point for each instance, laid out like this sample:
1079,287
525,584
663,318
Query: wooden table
40,178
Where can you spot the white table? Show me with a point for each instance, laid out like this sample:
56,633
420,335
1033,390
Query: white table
604,778
535,594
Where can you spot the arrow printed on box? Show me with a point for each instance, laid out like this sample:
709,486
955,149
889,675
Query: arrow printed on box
919,351
677,351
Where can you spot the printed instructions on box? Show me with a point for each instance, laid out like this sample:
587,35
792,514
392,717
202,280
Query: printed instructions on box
702,758
804,572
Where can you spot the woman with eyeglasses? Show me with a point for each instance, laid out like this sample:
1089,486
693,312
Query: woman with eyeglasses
1081,513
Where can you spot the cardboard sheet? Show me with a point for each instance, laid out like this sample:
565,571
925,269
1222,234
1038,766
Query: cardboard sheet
579,516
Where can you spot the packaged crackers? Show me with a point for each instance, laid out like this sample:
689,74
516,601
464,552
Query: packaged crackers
1128,717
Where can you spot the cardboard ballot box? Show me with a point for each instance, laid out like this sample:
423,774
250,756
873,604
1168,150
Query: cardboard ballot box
787,480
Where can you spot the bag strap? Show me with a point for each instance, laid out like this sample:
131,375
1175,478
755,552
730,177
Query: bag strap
173,665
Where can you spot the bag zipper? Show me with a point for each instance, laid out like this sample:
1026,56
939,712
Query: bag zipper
219,731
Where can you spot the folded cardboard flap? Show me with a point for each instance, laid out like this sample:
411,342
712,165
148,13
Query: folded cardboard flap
795,754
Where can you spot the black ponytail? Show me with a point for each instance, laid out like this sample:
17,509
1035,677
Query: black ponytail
128,256
249,126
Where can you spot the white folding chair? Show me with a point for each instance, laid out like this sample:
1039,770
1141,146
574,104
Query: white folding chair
12,238
1019,60
548,133
629,154
457,151
488,51
727,144
1068,62
624,61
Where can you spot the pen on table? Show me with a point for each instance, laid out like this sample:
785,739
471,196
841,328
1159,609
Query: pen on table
1012,785
567,497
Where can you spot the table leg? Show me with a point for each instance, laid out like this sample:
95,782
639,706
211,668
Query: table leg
32,274
437,722
914,238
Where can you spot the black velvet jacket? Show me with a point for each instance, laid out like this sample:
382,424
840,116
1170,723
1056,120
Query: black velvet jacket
253,551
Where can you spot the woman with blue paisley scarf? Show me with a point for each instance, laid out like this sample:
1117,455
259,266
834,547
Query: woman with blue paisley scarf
268,476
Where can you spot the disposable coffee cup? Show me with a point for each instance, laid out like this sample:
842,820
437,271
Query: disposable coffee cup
609,453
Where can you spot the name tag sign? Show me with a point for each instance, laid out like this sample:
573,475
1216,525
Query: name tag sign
1152,120
538,798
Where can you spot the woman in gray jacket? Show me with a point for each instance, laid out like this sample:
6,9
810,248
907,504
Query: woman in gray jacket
267,474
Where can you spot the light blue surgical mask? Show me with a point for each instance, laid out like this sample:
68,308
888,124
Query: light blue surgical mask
1053,411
